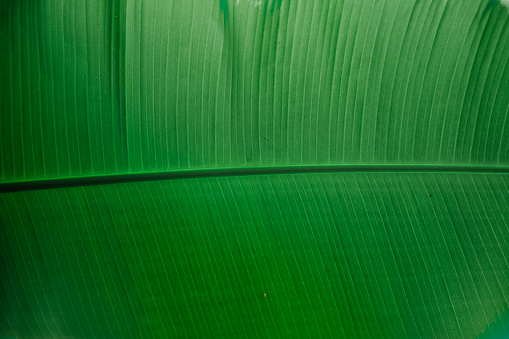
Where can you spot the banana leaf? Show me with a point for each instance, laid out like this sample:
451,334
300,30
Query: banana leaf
329,168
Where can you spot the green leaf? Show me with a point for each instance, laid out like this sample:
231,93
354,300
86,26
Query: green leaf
327,168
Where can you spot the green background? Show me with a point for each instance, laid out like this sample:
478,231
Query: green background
90,88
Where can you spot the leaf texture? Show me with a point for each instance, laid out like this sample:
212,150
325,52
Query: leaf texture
136,88
98,87
352,255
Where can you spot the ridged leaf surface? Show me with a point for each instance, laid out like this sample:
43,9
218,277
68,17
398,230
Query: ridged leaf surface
230,97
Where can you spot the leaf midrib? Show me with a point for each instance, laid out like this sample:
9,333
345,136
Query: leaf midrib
73,181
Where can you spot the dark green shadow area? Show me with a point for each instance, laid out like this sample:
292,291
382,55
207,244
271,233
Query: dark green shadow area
336,255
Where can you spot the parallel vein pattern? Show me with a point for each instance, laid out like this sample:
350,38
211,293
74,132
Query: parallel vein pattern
91,88
62,91
341,255
94,87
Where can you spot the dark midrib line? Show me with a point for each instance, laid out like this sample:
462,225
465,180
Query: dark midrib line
38,184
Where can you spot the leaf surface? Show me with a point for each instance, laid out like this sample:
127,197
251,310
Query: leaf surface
254,169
